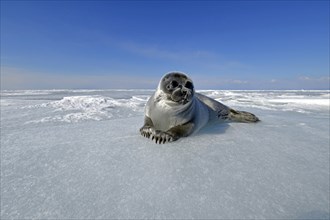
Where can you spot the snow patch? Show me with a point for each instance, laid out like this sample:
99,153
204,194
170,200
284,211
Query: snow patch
80,108
4,102
25,92
302,102
295,100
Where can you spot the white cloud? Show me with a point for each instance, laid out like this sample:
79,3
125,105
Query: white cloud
154,51
304,78
315,79
15,78
236,81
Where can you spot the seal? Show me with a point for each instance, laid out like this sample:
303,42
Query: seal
175,110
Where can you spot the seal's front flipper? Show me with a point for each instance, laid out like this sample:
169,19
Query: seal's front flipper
173,134
160,137
181,130
242,116
148,130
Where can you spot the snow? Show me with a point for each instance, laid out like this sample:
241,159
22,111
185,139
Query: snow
78,154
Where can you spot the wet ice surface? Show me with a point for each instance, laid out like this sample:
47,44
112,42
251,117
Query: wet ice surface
78,154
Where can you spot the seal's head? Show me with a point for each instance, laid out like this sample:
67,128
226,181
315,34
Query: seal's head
178,87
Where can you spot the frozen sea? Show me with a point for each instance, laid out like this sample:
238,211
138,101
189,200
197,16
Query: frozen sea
78,154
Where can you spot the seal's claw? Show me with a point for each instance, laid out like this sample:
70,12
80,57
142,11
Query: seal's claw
158,136
161,137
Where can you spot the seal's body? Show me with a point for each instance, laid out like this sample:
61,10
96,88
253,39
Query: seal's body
175,110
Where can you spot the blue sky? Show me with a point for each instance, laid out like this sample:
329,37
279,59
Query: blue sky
131,44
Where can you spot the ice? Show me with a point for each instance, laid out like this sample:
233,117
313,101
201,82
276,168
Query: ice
292,100
92,107
77,154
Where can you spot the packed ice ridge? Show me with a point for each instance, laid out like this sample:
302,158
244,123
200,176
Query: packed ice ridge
89,108
96,107
77,154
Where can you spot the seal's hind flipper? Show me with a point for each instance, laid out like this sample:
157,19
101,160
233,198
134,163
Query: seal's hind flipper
225,113
242,116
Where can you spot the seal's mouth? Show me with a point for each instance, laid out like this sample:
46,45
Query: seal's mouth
181,101
181,96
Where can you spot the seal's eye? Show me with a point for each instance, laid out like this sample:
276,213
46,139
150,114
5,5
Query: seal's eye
189,85
174,84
